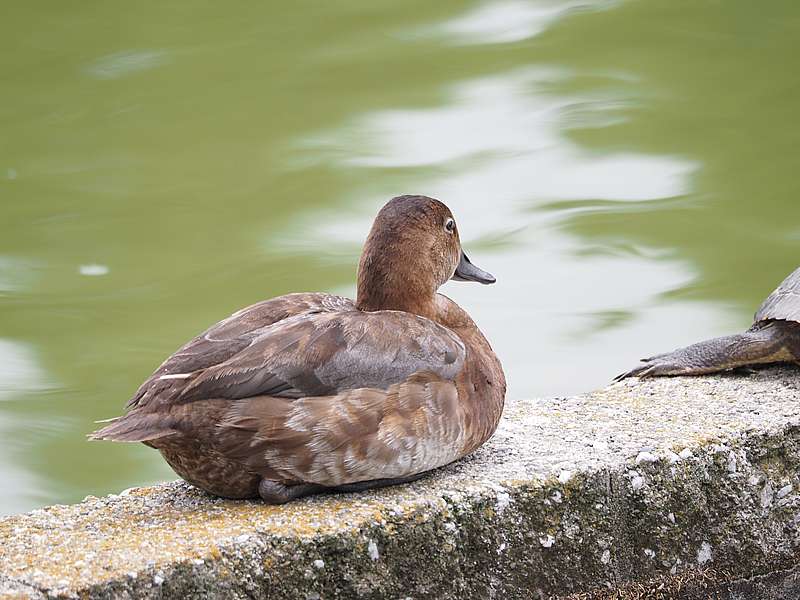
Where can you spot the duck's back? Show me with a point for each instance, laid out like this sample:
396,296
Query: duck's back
230,336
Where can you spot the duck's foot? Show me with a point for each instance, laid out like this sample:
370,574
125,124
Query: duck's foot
274,492
375,483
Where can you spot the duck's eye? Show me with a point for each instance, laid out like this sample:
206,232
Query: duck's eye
449,226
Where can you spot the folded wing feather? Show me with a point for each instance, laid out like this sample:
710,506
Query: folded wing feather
357,435
322,354
328,391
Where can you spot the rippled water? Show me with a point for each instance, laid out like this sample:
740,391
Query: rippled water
628,170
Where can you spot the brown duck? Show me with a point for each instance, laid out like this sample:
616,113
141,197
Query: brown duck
312,392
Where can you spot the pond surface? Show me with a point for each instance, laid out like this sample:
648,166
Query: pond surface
627,169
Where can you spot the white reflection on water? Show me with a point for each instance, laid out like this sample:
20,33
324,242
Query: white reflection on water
19,370
511,21
120,64
15,274
93,270
512,136
19,374
563,319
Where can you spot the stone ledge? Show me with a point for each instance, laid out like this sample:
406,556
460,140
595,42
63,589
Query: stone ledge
662,480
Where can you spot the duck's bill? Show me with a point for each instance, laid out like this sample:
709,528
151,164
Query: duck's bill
466,271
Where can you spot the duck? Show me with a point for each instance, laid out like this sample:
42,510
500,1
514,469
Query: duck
311,392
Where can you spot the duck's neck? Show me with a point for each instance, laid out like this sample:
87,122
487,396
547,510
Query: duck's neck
386,286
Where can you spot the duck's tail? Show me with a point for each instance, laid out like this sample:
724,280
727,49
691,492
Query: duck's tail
133,427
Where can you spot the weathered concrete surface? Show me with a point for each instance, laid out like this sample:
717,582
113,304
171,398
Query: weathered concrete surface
661,488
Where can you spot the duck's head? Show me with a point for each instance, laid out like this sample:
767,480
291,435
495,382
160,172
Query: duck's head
412,249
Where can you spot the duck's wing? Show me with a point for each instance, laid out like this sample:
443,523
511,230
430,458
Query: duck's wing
357,435
331,360
376,399
228,337
322,354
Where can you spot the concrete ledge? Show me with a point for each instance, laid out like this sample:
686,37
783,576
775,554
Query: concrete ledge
662,488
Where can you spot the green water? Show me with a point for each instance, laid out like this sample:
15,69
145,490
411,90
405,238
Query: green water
628,170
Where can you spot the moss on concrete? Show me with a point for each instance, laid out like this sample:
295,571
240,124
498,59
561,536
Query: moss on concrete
666,483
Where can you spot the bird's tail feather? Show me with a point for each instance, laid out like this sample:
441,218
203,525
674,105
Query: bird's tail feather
134,427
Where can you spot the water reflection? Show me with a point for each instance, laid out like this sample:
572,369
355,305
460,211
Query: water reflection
124,63
626,169
496,153
720,91
510,21
21,377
